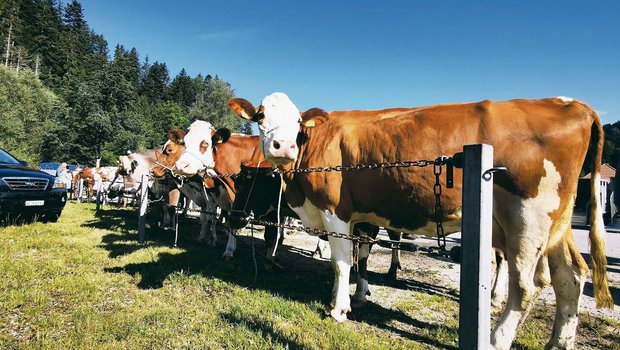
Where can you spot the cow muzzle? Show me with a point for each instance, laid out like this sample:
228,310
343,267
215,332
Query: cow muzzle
281,152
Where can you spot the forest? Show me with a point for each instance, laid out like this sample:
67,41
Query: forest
66,96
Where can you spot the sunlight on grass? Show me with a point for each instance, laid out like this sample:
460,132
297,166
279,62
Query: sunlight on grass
86,283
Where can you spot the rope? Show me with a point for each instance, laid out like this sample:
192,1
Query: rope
275,247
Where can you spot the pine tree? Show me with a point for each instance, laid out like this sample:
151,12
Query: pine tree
155,82
212,105
182,90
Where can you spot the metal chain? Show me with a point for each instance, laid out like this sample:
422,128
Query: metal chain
316,231
384,165
437,170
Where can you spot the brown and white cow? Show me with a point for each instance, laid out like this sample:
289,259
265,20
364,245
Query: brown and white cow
134,165
192,189
226,152
543,144
258,190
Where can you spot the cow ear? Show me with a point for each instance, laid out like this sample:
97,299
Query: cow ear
221,135
242,108
313,117
176,135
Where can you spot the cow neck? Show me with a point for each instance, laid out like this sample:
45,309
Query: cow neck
228,157
291,185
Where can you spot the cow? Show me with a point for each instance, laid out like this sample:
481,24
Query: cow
133,166
542,142
258,190
222,152
91,177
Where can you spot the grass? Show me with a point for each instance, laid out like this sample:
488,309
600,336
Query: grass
86,283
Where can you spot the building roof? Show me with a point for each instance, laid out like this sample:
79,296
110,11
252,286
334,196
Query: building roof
607,172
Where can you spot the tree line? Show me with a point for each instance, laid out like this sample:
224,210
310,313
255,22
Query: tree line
65,97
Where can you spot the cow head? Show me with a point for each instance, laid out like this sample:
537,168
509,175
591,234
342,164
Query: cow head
199,144
127,165
278,121
170,152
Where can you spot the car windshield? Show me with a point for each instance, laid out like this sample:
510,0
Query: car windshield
6,158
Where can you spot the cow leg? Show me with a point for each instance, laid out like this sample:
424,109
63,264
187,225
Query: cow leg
320,249
204,227
341,261
395,263
211,228
500,282
231,246
568,275
271,235
527,225
361,290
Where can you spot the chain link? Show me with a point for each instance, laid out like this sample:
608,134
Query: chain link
437,170
316,231
384,165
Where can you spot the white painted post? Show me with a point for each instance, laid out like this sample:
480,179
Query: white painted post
475,303
144,202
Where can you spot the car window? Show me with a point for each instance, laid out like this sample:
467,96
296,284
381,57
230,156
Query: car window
6,158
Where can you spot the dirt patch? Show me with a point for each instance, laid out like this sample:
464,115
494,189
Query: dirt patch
422,304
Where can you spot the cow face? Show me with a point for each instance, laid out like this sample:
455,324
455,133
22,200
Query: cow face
278,121
170,153
199,143
125,165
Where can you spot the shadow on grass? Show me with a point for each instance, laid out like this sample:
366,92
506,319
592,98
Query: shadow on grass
303,278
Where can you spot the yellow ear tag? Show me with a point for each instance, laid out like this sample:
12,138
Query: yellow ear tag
309,123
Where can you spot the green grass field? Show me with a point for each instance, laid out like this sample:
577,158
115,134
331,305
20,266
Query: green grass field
85,283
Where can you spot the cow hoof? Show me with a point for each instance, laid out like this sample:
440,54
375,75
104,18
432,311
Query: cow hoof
338,315
227,256
393,273
358,303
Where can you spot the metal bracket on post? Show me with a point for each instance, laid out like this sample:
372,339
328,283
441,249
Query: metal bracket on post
475,303
144,202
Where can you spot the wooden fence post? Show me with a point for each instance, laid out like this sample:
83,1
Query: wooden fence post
144,202
475,303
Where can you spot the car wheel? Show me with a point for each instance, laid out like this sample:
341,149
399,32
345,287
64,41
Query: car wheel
51,217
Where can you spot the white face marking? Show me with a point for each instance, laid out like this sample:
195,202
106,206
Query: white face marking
192,160
279,129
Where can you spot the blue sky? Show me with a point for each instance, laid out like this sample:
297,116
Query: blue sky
363,54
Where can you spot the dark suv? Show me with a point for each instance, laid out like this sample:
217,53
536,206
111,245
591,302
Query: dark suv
26,194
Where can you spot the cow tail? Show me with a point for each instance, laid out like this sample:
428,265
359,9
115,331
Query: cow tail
602,294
